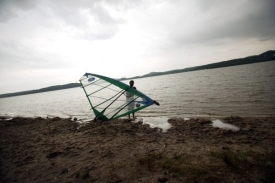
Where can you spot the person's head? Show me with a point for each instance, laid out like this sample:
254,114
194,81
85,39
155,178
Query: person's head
131,83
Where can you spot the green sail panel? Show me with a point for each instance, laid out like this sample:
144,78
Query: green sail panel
110,99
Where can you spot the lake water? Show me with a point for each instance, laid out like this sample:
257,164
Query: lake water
247,90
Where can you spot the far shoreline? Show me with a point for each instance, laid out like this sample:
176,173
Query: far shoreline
267,56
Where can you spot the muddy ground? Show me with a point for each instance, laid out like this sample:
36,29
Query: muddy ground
59,150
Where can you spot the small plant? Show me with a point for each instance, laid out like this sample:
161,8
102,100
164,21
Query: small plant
82,174
180,166
150,161
248,161
230,159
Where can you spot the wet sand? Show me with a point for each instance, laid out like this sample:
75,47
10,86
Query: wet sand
60,150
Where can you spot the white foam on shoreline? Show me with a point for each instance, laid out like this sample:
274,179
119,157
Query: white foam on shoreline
219,124
159,122
5,119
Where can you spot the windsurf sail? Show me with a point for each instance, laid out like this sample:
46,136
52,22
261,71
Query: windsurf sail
110,98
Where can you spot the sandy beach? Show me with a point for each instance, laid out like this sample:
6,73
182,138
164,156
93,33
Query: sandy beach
61,150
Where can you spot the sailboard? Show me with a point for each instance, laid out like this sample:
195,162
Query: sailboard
111,99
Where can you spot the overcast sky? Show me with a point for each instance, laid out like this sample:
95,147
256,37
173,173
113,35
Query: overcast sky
50,42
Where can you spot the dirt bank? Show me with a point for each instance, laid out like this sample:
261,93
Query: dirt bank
58,150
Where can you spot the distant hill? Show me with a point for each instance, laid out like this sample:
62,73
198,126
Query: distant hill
264,57
51,88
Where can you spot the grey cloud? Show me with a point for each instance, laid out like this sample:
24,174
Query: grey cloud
8,8
253,19
103,34
103,16
69,11
207,5
15,55
107,24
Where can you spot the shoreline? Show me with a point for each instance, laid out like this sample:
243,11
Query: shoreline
62,150
168,116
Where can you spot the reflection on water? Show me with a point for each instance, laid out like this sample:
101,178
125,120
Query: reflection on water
159,122
219,124
246,90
